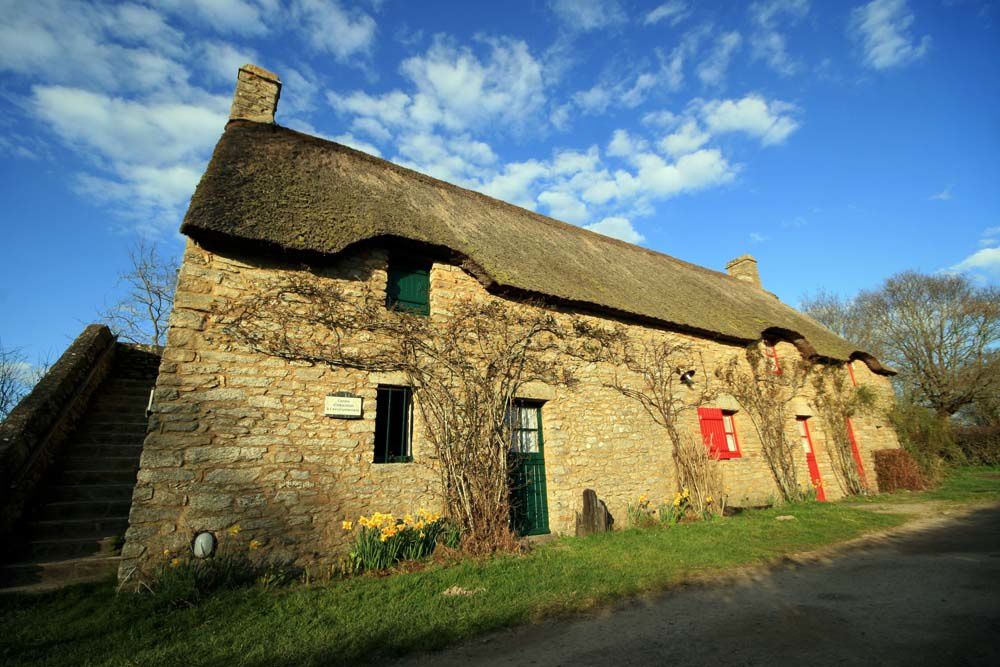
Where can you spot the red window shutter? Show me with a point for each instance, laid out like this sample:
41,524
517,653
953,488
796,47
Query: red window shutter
713,431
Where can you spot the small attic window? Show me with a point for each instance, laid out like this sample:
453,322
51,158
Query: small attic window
408,286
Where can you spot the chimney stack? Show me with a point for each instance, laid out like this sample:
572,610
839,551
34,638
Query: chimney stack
744,268
256,97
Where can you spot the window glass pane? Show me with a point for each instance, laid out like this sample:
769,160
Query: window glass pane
730,442
392,425
529,417
527,442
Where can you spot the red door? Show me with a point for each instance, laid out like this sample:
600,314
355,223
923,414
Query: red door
817,481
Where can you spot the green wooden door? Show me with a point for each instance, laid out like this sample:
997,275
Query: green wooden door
529,500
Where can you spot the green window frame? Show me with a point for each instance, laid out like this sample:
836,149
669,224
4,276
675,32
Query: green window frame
393,424
408,286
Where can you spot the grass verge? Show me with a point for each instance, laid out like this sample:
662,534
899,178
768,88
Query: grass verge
368,618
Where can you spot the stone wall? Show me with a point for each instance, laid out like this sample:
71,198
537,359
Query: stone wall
240,438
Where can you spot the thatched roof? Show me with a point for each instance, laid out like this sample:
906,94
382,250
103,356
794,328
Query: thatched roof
272,185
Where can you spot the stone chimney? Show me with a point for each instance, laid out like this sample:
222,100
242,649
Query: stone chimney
256,97
744,268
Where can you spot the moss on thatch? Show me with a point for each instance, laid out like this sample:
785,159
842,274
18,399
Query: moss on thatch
272,185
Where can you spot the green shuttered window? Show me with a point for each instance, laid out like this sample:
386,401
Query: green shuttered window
408,286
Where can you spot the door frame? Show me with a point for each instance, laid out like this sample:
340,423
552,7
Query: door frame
540,525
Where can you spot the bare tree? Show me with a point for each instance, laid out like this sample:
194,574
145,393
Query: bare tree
941,332
658,367
17,377
141,315
842,316
765,396
466,367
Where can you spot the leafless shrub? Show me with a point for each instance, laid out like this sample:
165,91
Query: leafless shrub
765,396
836,403
659,365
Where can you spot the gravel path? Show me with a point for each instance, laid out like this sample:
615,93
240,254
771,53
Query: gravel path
929,595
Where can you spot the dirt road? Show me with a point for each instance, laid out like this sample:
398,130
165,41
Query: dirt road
927,597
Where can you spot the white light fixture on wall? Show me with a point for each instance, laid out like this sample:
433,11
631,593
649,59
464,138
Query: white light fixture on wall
203,545
687,377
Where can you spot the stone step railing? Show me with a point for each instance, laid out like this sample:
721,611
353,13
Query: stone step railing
37,427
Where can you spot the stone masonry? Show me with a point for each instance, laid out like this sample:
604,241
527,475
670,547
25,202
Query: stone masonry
237,437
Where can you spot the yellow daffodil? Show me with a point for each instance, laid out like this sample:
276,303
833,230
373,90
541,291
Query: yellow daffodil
347,525
175,562
234,530
166,552
254,545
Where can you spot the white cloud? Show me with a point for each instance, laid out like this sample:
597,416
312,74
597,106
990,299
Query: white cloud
60,41
673,12
515,182
770,122
694,171
617,227
883,28
623,144
587,15
712,69
564,205
757,237
944,195
687,139
986,260
241,17
122,130
767,41
152,154
222,60
332,29
457,91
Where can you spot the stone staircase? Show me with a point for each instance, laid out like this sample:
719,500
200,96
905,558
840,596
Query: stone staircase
79,516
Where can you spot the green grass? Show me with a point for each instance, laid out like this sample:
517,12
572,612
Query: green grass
371,618
961,486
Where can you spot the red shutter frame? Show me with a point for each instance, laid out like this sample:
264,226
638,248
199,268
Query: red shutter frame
850,370
713,432
736,438
856,452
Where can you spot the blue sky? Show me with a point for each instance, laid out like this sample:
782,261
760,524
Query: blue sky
838,142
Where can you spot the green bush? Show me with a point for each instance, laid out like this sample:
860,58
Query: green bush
980,445
928,437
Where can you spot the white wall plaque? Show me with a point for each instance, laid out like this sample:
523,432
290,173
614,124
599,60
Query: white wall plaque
342,405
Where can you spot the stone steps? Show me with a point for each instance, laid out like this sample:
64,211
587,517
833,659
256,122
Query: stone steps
76,509
48,575
80,516
99,492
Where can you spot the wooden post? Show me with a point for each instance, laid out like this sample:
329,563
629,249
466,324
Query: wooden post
595,517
